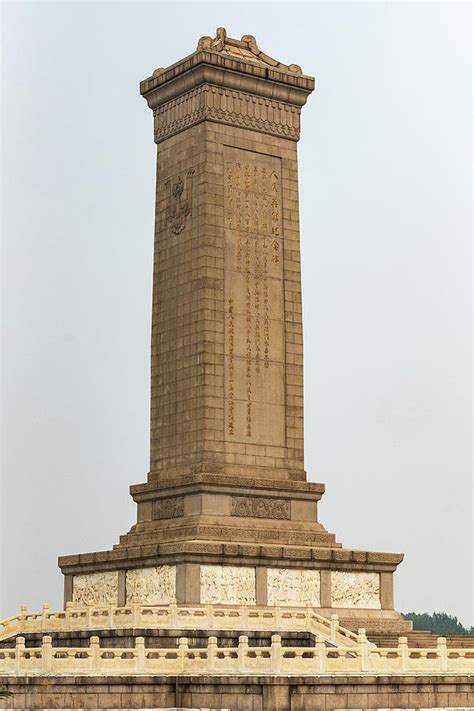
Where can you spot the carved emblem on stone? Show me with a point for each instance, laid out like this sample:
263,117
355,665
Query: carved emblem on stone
259,507
171,507
179,201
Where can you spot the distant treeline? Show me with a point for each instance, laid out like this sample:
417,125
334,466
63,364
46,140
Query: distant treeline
439,622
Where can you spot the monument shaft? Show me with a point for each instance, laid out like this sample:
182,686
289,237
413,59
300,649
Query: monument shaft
227,350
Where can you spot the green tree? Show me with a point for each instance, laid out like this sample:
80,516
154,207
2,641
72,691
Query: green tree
439,623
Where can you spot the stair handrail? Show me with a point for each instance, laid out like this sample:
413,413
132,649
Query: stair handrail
111,616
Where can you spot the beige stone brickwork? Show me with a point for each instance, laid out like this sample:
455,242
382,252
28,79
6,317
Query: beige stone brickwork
235,301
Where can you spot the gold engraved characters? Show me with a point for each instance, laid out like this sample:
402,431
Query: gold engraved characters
248,319
230,355
179,201
238,206
266,318
275,217
230,195
252,204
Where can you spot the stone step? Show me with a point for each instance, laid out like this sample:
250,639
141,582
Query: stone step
421,639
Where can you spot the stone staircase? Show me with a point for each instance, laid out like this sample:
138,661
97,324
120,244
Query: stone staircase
422,639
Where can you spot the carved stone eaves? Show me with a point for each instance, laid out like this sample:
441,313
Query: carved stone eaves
234,108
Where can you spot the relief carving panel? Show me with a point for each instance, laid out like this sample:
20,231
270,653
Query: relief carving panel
287,586
96,589
152,586
227,585
355,590
259,507
171,507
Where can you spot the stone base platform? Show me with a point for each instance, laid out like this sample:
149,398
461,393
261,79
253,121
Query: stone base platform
214,539
239,693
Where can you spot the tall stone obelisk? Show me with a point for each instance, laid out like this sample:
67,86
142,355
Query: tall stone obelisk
227,350
227,515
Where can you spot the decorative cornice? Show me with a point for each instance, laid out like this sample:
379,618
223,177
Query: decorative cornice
195,551
234,108
225,482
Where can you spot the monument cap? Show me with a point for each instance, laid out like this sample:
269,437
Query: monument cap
233,64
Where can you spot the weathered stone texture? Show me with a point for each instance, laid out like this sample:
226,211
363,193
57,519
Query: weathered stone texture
245,693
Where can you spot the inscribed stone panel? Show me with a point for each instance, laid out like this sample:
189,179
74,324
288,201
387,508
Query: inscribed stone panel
254,299
227,585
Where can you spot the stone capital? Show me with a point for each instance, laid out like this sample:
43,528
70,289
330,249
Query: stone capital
231,82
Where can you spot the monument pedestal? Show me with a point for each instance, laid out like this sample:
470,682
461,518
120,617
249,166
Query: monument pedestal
227,516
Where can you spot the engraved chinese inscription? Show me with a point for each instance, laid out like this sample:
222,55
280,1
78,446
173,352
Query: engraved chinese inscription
254,293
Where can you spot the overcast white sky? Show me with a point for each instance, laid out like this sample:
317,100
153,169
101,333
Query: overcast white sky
385,190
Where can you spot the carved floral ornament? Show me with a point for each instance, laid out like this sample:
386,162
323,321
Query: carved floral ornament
259,507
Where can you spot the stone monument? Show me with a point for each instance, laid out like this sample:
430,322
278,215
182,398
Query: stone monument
228,592
227,515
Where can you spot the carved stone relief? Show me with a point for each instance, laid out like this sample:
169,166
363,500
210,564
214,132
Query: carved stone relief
236,108
287,586
96,589
355,590
171,507
152,586
179,201
227,585
259,507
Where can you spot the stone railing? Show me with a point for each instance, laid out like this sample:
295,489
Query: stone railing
362,658
202,617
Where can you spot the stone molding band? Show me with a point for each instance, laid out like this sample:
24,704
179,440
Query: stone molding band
211,103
